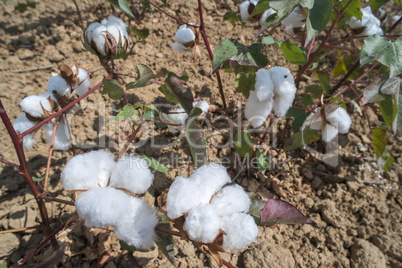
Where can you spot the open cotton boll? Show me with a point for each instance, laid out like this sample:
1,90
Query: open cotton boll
179,115
264,87
281,76
240,230
48,95
132,174
295,18
244,10
341,119
83,82
102,207
231,199
22,124
58,84
136,226
257,111
329,132
117,34
87,171
180,47
203,105
202,223
99,38
61,139
89,31
369,21
313,121
265,15
112,20
184,35
34,105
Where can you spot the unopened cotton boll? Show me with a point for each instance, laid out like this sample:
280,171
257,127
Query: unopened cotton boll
58,84
132,174
257,111
34,105
231,199
295,19
264,87
87,171
102,207
240,230
183,39
136,226
22,124
83,82
61,138
202,223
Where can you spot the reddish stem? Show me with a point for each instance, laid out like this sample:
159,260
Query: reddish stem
49,198
311,47
20,229
169,15
14,166
49,158
129,140
301,108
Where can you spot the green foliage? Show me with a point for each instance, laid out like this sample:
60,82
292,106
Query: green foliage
299,116
146,4
155,164
262,162
196,138
140,33
22,7
128,111
255,207
244,143
123,5
180,90
292,53
317,19
387,111
165,241
384,50
111,88
168,93
315,90
244,83
230,51
38,179
144,74
232,17
376,4
324,79
379,141
397,126
352,10
302,138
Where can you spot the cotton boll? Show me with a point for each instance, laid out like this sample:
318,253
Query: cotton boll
329,132
87,171
257,111
83,82
341,119
61,139
22,124
58,84
369,21
184,35
48,95
295,19
313,121
202,223
203,105
112,20
136,226
179,115
102,207
89,31
117,35
132,174
182,197
240,230
99,38
281,76
231,199
180,47
244,10
264,87
265,15
33,105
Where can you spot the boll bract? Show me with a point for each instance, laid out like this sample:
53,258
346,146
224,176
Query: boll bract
368,25
247,8
274,90
335,120
108,38
185,39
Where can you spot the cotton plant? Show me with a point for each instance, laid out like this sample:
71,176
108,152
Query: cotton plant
61,89
247,8
179,115
295,21
274,91
211,206
368,25
105,201
330,120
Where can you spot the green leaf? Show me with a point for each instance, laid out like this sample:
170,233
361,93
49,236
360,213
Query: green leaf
353,10
307,100
111,88
292,53
302,138
196,138
181,91
376,4
230,50
144,74
387,111
168,93
324,79
270,40
155,164
146,4
183,76
140,33
386,161
244,83
262,162
165,241
255,207
244,143
22,7
299,116
315,90
384,50
127,111
232,17
379,141
39,179
380,89
123,5
397,126
317,19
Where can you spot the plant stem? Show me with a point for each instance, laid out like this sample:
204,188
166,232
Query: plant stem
79,15
301,108
49,158
211,54
129,140
167,231
24,171
14,166
49,198
20,229
165,123
169,15
311,47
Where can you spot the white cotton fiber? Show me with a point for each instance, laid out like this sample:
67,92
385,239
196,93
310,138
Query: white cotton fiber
257,111
202,223
62,137
34,105
112,20
265,15
240,230
314,121
117,35
203,105
136,226
284,89
264,87
179,115
87,171
132,174
21,125
99,38
244,10
83,82
180,47
329,132
184,35
369,21
48,95
89,31
58,84
102,207
295,18
231,199
341,119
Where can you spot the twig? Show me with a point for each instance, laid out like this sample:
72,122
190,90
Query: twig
129,140
49,158
34,69
374,182
20,229
169,15
79,15
49,198
167,231
14,166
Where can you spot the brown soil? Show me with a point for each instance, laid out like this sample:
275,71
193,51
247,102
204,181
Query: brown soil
357,207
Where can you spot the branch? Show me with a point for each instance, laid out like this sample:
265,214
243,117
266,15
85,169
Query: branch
54,199
49,158
169,15
20,229
129,140
14,166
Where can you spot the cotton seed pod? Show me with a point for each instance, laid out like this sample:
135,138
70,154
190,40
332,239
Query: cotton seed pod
186,38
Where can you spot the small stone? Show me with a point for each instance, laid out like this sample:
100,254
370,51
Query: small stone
316,182
307,174
8,243
365,254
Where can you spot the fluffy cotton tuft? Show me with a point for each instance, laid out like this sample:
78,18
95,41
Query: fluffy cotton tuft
265,15
58,84
284,88
136,226
295,19
183,37
102,207
133,174
34,105
87,171
61,139
83,82
202,223
370,23
231,199
257,111
240,230
203,105
244,10
179,115
22,124
264,86
341,119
